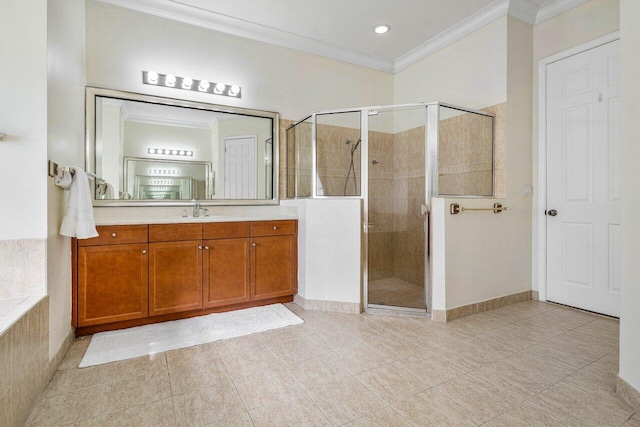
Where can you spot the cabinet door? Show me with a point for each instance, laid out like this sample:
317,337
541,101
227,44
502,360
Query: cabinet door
112,283
175,277
227,275
274,261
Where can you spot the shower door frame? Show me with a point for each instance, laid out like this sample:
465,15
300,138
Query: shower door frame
432,141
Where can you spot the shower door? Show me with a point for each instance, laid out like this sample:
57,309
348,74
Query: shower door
396,209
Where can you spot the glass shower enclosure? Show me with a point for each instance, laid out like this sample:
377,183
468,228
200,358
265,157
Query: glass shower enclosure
396,158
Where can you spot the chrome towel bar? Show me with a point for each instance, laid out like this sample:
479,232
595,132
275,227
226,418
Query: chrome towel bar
455,208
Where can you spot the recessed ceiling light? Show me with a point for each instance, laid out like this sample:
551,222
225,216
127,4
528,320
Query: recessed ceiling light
381,29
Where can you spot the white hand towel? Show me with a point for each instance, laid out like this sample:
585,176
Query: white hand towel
109,194
78,219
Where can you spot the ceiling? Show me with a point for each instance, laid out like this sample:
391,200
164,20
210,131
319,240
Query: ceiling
343,29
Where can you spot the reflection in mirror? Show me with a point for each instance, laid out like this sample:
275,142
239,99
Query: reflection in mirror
145,150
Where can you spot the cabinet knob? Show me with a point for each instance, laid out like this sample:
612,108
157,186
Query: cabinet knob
206,247
253,244
113,234
275,228
144,251
199,247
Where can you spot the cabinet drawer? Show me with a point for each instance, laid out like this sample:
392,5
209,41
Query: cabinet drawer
273,228
226,230
117,235
174,232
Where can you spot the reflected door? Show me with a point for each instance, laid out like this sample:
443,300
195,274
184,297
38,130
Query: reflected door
396,193
240,167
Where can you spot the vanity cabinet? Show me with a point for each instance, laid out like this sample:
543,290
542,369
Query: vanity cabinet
112,277
134,275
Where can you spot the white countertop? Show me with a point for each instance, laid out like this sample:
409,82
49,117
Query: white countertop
180,219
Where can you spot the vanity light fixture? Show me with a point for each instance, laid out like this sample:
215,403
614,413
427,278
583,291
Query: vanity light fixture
162,181
187,83
381,29
170,152
164,171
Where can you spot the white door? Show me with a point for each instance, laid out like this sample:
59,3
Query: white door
240,167
583,180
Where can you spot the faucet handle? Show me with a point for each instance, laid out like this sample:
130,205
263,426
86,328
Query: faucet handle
205,211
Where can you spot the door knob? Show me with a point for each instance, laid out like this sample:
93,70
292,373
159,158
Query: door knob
113,234
199,247
144,252
206,247
552,212
253,244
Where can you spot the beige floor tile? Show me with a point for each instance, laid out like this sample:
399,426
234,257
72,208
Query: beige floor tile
546,365
135,391
519,335
271,384
565,317
189,370
152,414
234,346
250,362
317,372
293,411
393,382
632,422
66,408
513,379
295,350
356,360
240,420
575,348
608,363
208,404
525,416
75,354
345,400
431,368
481,398
386,416
607,330
430,408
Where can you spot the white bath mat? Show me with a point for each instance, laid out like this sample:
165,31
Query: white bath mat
106,347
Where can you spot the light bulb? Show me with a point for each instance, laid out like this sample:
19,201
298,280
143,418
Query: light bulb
170,80
189,153
220,87
203,86
235,89
174,152
181,152
166,152
152,77
187,82
152,151
381,29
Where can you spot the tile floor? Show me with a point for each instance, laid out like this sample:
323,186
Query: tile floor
396,292
529,364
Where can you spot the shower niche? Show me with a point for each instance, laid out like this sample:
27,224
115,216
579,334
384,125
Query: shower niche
396,158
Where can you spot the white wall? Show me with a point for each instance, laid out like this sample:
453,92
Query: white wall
65,92
121,43
572,28
630,246
471,72
23,117
329,249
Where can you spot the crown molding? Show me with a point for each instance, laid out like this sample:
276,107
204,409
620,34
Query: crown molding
225,24
462,29
524,10
555,8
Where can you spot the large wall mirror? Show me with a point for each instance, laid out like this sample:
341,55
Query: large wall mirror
148,150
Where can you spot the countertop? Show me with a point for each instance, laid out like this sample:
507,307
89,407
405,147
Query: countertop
203,219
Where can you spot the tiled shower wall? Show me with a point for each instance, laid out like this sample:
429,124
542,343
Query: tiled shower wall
22,268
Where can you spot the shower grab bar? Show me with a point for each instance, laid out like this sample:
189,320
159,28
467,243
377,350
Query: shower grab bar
455,208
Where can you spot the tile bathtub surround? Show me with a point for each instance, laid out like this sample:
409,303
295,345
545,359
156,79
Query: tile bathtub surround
24,364
504,367
22,267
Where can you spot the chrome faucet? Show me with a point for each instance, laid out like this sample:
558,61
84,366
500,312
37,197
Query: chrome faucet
196,210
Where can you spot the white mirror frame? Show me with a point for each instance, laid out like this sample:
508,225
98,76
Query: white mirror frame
90,146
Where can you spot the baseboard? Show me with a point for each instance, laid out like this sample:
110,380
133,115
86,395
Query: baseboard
62,352
628,393
333,306
535,295
480,307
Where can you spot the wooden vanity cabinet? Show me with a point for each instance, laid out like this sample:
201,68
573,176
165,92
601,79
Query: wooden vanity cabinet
134,275
111,277
273,259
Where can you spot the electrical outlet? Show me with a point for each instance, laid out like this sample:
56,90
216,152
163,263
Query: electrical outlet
527,190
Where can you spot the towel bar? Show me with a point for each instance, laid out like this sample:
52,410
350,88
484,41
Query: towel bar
455,208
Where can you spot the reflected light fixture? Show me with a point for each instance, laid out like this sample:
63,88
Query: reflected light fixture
164,171
381,29
187,83
170,152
